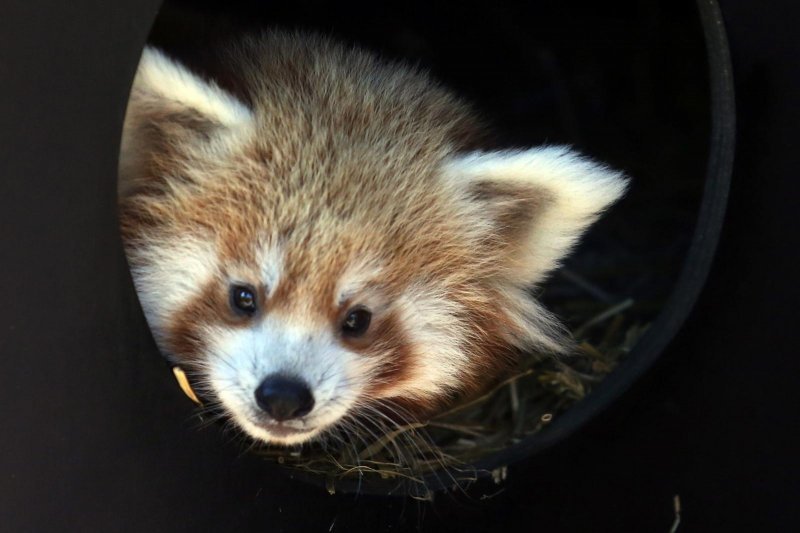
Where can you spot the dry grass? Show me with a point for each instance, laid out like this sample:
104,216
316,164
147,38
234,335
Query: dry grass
519,407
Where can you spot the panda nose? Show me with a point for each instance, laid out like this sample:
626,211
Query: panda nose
284,398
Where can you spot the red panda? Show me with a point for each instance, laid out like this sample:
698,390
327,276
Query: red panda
329,237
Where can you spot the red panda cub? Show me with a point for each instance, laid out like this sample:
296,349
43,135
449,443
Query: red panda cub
324,238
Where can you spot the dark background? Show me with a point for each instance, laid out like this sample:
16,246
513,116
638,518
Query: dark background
94,435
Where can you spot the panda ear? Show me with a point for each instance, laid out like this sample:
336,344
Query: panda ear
537,203
170,107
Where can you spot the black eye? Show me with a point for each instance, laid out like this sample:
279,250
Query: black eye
356,322
243,299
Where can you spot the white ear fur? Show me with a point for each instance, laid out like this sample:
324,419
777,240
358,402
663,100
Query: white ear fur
574,191
170,106
162,78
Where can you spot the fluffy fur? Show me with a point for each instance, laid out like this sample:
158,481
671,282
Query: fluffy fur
325,178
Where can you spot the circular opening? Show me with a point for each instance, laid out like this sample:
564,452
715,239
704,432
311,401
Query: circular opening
628,84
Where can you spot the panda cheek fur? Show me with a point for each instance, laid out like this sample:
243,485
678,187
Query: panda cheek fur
389,349
186,336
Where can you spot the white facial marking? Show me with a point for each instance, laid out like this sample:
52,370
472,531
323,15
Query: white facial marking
270,257
437,333
240,359
173,272
356,279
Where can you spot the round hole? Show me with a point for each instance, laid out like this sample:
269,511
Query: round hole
629,87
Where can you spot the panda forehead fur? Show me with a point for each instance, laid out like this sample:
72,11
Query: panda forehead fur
328,181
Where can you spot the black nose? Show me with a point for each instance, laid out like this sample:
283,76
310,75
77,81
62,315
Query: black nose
284,398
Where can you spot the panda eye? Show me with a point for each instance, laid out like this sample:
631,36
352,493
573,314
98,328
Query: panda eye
243,299
356,322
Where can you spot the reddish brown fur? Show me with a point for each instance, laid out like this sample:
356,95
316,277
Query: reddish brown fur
341,164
